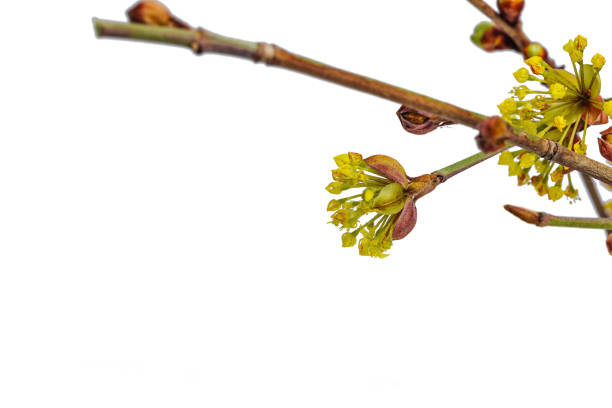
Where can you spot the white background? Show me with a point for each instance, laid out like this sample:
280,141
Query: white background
163,233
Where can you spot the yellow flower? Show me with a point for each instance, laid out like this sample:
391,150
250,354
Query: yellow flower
557,91
598,61
580,42
536,64
507,107
388,195
522,75
558,111
560,122
555,193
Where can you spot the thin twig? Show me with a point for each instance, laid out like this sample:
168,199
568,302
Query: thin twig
514,32
542,219
203,41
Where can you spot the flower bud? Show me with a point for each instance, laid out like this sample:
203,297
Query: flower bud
388,167
493,134
417,122
535,49
609,244
510,10
390,199
607,134
348,240
154,13
490,38
605,148
406,221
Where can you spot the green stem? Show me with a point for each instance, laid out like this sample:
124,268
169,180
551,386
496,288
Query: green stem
462,165
573,222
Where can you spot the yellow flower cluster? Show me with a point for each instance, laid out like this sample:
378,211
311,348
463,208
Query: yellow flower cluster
568,104
382,197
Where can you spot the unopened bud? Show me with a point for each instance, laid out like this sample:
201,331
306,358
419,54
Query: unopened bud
390,199
417,122
609,244
490,38
154,13
493,134
348,240
388,167
607,134
406,221
605,148
333,205
535,49
511,10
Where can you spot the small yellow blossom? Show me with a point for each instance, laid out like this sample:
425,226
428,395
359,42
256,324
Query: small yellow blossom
555,193
560,122
598,61
506,158
522,75
557,91
580,148
527,160
507,107
536,64
580,42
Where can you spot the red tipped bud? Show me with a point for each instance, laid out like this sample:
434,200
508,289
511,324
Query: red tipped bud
405,222
511,10
389,167
493,134
417,122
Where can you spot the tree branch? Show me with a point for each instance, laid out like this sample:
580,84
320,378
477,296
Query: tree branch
203,41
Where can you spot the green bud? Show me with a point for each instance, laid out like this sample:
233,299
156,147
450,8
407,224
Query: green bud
479,32
348,240
390,199
333,205
335,187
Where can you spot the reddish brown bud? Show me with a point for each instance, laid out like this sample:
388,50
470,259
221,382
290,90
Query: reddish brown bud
527,215
154,13
493,134
510,10
491,38
605,148
609,244
535,49
389,167
417,122
607,134
406,221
